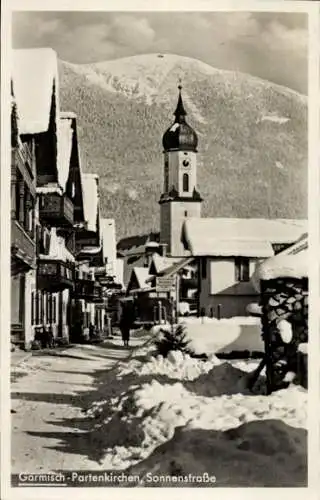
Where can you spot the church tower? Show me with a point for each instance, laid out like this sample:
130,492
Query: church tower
180,198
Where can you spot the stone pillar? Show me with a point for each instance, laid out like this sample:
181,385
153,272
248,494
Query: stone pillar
65,297
29,284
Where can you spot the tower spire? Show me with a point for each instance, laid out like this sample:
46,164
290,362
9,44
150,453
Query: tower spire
180,112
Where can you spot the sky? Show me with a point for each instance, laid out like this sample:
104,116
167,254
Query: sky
269,45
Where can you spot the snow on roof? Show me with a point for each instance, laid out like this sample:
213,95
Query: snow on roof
90,200
48,189
34,73
239,237
291,263
175,266
142,275
65,134
162,263
90,250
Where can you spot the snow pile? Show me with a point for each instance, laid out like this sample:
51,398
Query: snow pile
176,366
256,454
146,402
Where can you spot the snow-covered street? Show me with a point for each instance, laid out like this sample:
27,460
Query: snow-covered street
49,394
93,408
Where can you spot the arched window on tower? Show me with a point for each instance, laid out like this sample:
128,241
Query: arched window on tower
185,183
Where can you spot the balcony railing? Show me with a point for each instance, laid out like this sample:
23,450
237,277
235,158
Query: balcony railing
84,289
97,296
88,290
57,210
23,249
54,275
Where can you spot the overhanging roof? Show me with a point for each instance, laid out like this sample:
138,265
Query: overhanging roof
291,263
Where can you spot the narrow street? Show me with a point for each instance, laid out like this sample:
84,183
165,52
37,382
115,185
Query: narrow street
49,393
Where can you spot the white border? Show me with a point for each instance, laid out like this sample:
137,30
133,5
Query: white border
314,234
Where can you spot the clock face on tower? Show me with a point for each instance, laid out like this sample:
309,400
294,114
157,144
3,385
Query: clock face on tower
186,163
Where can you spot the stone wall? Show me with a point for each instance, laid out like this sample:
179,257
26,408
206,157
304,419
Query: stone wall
284,299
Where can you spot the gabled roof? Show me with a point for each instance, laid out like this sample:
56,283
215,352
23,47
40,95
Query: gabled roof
291,263
90,200
159,264
14,119
142,274
65,136
75,176
139,279
222,237
174,265
35,80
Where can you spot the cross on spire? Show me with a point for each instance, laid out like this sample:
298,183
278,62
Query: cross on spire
180,112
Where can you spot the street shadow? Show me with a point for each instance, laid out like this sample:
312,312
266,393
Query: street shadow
104,430
101,427
56,398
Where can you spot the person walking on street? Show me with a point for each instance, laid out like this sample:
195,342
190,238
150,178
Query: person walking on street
126,322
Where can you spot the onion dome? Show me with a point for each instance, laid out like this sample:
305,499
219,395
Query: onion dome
180,136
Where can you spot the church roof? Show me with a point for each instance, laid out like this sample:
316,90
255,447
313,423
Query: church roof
180,135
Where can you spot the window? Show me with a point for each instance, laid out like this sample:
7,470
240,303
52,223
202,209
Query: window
54,309
185,183
242,269
186,213
203,269
37,312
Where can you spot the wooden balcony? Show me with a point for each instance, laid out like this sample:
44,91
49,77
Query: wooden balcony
105,280
23,249
97,297
54,275
88,290
56,210
84,289
100,272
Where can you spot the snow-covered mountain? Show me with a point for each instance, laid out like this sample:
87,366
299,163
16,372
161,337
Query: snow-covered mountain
252,157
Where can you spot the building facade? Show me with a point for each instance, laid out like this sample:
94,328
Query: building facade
57,259
23,229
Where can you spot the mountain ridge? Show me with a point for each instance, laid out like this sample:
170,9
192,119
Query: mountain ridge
257,168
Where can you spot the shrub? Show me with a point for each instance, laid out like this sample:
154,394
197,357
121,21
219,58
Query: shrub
173,340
